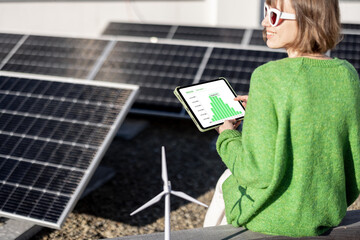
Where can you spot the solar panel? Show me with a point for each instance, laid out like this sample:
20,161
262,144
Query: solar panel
237,65
53,133
210,34
194,33
157,68
137,29
351,26
59,56
257,38
7,44
349,49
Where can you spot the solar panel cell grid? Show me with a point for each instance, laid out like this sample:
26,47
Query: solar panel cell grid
157,68
68,57
194,33
351,26
48,141
237,66
349,49
137,29
210,34
49,205
257,38
7,43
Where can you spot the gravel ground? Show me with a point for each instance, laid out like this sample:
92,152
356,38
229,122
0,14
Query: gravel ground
193,167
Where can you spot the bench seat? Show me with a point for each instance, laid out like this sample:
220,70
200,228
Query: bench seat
348,229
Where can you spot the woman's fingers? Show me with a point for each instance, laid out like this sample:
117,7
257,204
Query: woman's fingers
243,99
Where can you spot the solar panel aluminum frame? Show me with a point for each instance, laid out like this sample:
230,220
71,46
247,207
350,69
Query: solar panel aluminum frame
99,154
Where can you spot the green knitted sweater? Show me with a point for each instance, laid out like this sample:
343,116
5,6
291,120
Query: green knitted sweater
296,165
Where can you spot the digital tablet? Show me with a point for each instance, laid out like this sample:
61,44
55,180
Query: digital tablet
210,103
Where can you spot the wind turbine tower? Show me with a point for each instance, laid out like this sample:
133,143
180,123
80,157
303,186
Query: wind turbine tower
166,192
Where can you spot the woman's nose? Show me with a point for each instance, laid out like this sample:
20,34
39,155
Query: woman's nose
265,22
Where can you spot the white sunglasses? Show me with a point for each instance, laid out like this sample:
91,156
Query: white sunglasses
275,16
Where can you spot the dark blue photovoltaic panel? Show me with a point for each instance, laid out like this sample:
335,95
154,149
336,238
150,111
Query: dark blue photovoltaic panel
137,29
58,56
351,26
237,65
257,38
48,205
157,68
349,49
51,133
210,34
7,43
193,33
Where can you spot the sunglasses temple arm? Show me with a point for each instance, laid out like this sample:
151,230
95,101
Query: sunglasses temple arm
289,16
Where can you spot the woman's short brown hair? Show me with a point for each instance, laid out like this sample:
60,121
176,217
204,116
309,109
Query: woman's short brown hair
318,24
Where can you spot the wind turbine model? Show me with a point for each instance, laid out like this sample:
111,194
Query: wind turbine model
167,191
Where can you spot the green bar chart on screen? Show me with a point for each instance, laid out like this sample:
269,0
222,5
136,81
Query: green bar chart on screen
220,109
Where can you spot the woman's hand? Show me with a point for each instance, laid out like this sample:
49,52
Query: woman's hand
243,99
228,124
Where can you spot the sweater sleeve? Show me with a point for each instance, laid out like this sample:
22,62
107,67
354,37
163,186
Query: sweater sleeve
352,159
250,155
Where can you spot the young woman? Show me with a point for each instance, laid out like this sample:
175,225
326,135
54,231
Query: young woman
295,168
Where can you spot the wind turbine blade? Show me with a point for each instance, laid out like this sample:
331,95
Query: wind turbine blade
187,197
149,203
164,173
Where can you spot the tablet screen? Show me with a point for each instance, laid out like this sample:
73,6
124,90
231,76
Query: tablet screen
212,102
